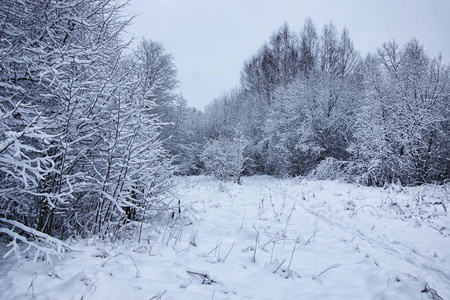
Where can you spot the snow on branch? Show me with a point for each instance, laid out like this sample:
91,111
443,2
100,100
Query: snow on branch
41,242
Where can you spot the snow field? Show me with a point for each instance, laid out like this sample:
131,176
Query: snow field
265,239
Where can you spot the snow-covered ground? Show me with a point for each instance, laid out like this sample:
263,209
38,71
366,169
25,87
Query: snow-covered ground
264,239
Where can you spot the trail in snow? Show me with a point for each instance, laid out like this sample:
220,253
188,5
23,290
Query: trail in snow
383,247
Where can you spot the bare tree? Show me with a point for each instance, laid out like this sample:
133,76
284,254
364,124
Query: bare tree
309,48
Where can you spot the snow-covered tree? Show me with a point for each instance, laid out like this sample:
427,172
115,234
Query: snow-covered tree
403,126
313,116
78,140
309,48
187,136
158,73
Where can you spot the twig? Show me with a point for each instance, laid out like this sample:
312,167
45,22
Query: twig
205,277
243,217
313,236
273,207
228,252
193,236
283,205
279,266
35,275
329,268
52,246
273,240
261,209
135,265
218,245
433,292
367,205
289,217
256,246
315,230
178,238
436,229
292,256
158,296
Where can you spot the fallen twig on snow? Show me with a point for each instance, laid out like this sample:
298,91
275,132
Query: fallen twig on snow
435,229
433,292
279,266
205,277
135,265
328,269
215,248
158,296
367,205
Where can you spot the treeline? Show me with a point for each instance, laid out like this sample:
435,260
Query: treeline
310,104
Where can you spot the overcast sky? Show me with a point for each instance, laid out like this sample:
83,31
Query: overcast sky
210,39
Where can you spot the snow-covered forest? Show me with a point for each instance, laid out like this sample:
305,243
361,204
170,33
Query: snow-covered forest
319,146
309,103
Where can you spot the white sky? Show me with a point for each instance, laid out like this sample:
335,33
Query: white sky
210,39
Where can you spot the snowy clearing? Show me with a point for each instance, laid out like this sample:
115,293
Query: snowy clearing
265,239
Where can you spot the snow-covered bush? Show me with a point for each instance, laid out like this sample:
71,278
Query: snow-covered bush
225,158
330,168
